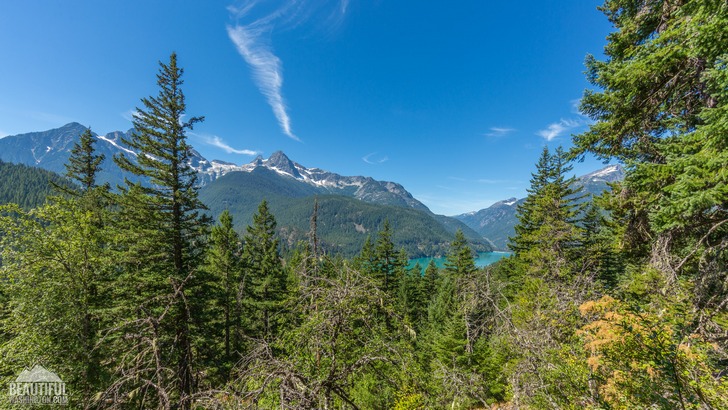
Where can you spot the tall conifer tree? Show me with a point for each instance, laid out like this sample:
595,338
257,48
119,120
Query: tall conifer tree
265,278
167,256
83,166
225,267
547,228
460,261
388,266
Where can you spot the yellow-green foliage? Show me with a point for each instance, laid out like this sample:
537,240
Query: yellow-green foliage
641,359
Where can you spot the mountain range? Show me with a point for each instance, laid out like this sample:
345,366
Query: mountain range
50,150
350,207
497,222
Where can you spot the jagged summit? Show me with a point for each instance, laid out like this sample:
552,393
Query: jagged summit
50,150
360,187
506,202
278,162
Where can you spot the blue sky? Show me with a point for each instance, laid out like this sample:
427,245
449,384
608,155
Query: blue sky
453,100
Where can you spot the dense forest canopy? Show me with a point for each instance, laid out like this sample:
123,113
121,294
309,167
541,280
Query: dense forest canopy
137,300
27,186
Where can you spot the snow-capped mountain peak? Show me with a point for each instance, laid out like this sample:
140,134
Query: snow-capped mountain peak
609,173
509,202
364,188
51,149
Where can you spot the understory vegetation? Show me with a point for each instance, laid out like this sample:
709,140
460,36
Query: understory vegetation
137,300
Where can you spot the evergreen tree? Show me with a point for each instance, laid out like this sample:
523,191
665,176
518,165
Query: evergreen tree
430,279
661,66
548,230
224,265
661,108
546,282
411,301
446,302
313,230
264,286
388,266
527,214
365,261
84,165
457,317
460,261
596,254
166,232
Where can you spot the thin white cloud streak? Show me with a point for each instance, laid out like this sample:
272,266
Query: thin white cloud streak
556,129
267,71
368,159
3,134
251,37
499,131
216,141
575,104
129,115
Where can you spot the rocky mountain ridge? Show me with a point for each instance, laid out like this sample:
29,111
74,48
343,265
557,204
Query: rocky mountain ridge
50,150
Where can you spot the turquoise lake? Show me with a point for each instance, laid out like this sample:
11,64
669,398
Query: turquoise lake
483,259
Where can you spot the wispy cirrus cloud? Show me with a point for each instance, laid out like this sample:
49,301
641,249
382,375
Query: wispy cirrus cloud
267,70
370,158
497,132
575,104
130,114
218,142
556,129
251,36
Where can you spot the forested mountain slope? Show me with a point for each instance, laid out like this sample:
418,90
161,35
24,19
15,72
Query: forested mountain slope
344,221
27,186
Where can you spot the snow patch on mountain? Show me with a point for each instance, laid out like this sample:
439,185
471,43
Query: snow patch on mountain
115,144
51,149
363,188
610,173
